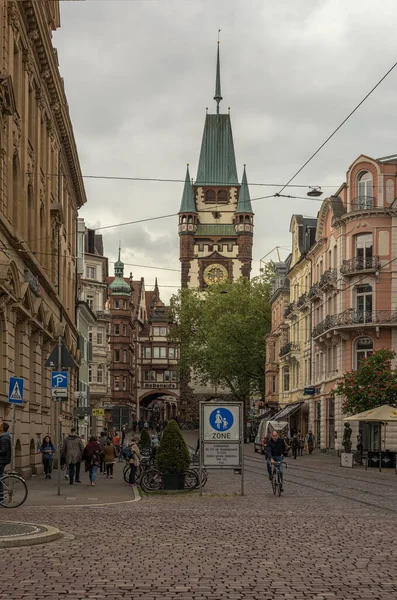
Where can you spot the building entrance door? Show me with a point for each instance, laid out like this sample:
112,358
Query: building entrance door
331,423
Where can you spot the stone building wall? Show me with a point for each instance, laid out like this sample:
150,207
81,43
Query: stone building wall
41,190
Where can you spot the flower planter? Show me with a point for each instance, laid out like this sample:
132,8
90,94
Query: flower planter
174,481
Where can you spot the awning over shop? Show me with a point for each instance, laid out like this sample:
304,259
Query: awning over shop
286,412
265,415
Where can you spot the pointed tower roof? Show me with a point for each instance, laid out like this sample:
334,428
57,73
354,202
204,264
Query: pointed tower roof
218,95
119,285
217,163
187,204
244,199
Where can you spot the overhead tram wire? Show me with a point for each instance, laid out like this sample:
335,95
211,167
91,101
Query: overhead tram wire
337,129
159,217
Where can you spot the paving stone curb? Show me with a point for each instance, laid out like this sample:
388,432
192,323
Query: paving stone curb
44,537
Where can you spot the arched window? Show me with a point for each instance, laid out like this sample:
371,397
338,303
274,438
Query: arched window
190,219
183,218
363,348
223,197
286,379
364,303
364,191
210,197
241,218
247,219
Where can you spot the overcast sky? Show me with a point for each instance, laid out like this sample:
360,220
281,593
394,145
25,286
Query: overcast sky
139,75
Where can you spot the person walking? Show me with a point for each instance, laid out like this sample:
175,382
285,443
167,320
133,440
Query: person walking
116,443
102,444
310,442
295,446
47,449
110,459
135,461
91,457
73,449
301,441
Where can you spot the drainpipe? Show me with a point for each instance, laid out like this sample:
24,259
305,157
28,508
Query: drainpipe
311,318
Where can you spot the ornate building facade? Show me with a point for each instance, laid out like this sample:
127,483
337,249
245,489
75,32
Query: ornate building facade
41,190
215,218
342,302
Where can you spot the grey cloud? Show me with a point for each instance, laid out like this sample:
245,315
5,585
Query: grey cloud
140,74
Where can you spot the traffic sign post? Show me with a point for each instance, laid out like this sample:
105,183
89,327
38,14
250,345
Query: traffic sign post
15,396
221,437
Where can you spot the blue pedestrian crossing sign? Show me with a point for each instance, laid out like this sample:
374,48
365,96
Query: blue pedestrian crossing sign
221,419
59,380
15,390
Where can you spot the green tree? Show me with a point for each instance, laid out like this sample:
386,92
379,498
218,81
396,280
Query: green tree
144,441
172,455
221,333
373,384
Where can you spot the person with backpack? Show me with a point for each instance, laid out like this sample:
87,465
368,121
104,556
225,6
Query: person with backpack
48,450
91,457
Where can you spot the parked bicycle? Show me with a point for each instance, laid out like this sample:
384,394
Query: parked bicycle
152,480
13,490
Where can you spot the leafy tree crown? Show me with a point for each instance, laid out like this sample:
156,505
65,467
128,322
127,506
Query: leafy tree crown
373,384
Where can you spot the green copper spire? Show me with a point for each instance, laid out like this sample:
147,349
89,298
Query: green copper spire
218,95
119,285
244,199
187,204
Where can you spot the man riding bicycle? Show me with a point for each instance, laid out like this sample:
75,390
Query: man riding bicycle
275,449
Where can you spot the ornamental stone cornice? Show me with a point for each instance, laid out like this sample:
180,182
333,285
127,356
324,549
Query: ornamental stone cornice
41,44
364,213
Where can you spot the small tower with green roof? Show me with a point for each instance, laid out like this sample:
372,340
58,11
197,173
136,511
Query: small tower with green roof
119,287
244,225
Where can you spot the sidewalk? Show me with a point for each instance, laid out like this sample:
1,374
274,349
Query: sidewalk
43,492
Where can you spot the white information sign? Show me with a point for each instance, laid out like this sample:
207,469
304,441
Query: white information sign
221,437
221,422
346,459
222,455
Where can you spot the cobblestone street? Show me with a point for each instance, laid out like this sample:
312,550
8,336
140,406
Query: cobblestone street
331,535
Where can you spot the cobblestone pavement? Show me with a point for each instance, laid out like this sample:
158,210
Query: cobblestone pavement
330,536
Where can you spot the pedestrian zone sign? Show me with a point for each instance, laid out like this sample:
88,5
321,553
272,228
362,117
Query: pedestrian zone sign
15,390
221,423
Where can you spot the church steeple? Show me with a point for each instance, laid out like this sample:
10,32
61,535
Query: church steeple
218,95
119,286
244,200
187,204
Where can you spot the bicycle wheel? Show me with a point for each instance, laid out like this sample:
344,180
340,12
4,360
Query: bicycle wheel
126,473
151,481
274,482
280,489
191,480
13,491
204,476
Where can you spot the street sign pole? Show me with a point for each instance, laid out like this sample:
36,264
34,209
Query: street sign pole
12,465
59,403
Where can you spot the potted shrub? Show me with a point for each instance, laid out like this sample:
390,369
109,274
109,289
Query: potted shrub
144,441
173,457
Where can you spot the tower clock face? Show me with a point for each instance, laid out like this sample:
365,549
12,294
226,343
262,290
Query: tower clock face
215,274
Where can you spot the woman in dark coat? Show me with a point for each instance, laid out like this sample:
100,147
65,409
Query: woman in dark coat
48,450
91,458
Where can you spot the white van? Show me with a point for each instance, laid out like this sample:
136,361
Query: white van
265,430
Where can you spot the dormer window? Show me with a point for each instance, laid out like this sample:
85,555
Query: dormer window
210,196
223,197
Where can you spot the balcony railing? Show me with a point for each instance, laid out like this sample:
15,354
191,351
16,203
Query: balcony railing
302,300
353,316
363,203
289,310
314,292
328,279
287,348
360,263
